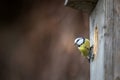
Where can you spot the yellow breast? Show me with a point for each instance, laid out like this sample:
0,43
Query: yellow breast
84,48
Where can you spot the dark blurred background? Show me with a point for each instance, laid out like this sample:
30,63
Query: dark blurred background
37,41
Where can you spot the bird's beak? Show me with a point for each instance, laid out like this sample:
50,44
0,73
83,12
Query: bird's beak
75,44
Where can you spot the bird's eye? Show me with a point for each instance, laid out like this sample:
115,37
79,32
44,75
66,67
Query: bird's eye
77,40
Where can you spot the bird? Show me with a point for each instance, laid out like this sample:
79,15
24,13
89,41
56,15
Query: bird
83,45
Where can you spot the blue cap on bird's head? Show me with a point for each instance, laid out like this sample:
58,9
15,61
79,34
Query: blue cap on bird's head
79,41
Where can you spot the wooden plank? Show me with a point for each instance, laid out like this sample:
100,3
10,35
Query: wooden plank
108,40
116,38
97,18
102,67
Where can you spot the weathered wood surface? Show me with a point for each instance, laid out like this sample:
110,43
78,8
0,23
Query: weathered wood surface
97,18
85,5
106,15
108,40
116,46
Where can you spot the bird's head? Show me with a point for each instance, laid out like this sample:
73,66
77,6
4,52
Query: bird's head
79,41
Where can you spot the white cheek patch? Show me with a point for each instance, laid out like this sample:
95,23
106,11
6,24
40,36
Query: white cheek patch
80,42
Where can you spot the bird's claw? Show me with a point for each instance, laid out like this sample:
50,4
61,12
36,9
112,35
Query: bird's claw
91,54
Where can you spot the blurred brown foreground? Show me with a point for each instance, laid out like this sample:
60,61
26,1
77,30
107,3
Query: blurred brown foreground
36,41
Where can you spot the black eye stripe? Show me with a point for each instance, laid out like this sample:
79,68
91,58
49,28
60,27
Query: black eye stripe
77,40
82,43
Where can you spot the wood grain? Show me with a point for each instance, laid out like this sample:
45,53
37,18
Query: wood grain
116,39
97,17
108,40
107,16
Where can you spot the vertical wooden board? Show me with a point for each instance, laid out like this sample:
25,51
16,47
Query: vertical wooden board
98,18
109,40
116,49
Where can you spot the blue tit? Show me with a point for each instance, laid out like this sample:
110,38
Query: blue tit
83,46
